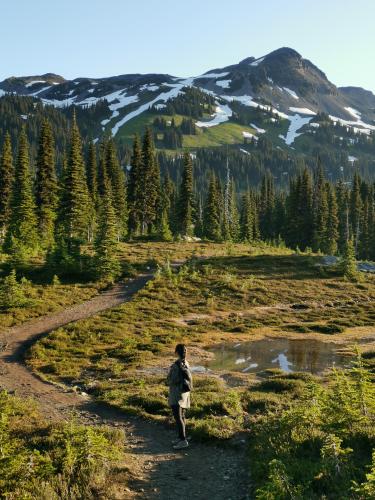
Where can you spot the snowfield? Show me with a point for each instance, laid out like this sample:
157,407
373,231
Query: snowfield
225,84
358,126
223,113
248,135
209,75
296,123
356,114
291,92
30,84
259,130
257,61
302,111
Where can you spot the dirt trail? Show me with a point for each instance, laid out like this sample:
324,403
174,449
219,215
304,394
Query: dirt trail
157,473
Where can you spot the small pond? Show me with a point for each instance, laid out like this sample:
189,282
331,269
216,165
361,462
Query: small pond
289,355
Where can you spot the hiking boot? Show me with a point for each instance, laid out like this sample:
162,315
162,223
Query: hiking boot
175,441
181,444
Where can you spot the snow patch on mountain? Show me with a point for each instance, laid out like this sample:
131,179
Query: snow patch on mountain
257,61
164,96
352,159
210,75
291,92
224,83
358,126
30,84
150,87
249,135
302,111
356,114
222,114
296,123
35,94
259,130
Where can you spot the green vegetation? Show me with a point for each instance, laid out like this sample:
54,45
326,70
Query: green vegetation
234,297
319,444
55,461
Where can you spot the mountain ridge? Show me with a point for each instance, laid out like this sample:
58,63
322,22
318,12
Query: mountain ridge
281,82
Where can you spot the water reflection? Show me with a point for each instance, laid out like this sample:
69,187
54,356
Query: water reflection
289,355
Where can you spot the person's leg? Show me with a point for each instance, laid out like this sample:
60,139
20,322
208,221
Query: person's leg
177,413
183,416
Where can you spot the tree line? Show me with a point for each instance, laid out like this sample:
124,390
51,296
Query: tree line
94,201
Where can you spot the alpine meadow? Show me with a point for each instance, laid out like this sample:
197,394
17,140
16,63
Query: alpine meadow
187,264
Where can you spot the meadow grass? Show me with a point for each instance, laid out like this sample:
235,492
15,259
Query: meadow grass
237,292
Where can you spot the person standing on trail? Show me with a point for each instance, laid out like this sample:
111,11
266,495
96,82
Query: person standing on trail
180,383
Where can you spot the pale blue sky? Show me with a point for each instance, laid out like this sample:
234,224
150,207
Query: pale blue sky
184,37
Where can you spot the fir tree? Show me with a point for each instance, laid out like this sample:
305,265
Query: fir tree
356,209
46,187
150,185
170,202
332,234
186,198
116,178
366,236
349,263
164,232
320,210
22,239
92,174
212,213
6,185
74,213
342,196
135,188
11,292
246,219
107,263
103,177
267,207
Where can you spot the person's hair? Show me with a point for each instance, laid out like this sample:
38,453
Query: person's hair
181,350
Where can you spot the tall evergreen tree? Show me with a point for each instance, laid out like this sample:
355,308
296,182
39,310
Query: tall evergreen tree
92,174
170,202
342,196
103,177
118,188
74,210
356,210
135,188
212,215
332,231
186,198
107,263
22,238
267,207
46,188
246,219
320,209
149,195
6,185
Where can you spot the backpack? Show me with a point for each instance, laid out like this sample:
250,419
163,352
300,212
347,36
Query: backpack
186,378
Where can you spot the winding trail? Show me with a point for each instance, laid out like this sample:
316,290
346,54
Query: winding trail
157,472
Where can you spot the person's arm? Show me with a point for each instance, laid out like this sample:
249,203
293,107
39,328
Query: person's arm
174,376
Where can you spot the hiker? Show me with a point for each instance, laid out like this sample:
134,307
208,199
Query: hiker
180,385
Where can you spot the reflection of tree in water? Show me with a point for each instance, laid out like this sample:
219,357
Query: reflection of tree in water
292,355
306,355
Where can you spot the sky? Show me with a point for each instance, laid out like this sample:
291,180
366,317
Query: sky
98,38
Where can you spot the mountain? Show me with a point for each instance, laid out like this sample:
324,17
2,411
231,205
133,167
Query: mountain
279,101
